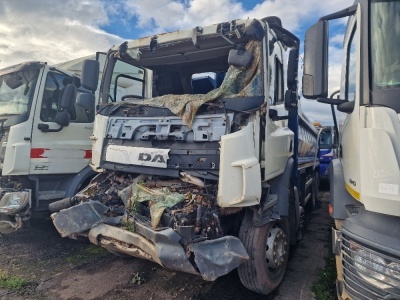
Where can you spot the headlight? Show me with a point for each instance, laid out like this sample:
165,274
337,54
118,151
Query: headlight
394,271
375,269
13,202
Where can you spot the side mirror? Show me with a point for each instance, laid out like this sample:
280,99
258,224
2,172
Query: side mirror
87,101
62,118
14,82
90,74
68,96
315,72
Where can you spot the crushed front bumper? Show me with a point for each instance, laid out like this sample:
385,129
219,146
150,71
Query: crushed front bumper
208,258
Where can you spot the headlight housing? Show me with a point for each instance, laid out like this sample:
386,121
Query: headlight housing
13,202
375,268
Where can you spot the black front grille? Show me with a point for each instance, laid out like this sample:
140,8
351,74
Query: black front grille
364,271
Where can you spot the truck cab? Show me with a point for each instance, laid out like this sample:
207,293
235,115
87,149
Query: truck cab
364,179
44,138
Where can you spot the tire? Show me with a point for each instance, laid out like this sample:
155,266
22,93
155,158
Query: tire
260,273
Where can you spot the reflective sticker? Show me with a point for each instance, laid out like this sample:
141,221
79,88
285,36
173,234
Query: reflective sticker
60,153
390,189
150,157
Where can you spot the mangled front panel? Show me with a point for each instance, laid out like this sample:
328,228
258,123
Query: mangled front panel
144,216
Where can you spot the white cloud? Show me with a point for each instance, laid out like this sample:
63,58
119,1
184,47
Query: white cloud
52,31
163,15
57,31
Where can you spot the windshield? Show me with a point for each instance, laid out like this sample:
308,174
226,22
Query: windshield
127,81
16,92
325,140
385,42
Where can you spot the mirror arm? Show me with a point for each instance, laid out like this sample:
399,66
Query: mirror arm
331,101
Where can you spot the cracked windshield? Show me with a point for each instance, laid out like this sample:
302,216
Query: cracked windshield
16,92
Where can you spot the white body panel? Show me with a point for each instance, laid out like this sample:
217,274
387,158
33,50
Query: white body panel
240,176
380,173
150,157
66,151
99,131
350,129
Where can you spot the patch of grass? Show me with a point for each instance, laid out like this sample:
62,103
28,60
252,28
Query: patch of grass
95,250
138,278
324,288
89,252
11,282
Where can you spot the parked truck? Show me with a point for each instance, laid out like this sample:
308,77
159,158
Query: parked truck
45,146
365,178
208,182
326,150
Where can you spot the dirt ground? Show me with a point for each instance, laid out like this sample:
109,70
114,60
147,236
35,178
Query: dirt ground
61,268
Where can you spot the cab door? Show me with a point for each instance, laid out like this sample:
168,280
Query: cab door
68,150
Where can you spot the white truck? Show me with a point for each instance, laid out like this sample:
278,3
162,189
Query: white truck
365,177
207,164
45,146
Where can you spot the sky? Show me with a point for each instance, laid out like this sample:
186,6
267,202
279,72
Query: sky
57,31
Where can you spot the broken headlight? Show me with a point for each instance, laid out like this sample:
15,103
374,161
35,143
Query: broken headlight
379,271
13,202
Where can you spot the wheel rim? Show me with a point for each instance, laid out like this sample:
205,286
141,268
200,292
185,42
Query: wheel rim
276,248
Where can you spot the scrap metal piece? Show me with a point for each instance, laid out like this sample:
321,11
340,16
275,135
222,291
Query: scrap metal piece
82,217
161,247
215,258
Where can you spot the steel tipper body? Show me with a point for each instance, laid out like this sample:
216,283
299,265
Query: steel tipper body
200,165
365,179
45,144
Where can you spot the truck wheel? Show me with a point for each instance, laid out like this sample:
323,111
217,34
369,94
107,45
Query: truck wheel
268,248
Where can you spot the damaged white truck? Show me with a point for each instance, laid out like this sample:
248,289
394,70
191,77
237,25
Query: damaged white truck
208,165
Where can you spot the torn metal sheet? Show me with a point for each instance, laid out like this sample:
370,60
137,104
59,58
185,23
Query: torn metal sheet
238,82
82,217
218,257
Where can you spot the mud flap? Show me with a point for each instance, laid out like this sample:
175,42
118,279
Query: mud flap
82,217
215,258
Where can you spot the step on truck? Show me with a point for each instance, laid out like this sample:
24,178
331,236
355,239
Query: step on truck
45,146
208,165
365,178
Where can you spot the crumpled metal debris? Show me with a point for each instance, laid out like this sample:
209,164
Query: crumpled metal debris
82,217
218,257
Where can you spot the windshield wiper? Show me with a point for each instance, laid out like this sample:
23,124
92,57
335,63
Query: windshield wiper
8,115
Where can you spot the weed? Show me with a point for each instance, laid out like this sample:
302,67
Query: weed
94,250
324,287
137,278
11,282
89,252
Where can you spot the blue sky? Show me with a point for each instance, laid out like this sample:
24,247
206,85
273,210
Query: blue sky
57,31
